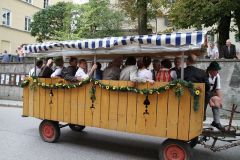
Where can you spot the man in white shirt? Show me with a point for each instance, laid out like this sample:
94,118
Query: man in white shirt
39,65
83,65
212,51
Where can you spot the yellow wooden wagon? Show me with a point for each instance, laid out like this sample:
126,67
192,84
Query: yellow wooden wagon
167,116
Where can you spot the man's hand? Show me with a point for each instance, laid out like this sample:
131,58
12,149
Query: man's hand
151,81
79,79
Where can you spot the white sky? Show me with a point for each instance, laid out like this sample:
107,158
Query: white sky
80,1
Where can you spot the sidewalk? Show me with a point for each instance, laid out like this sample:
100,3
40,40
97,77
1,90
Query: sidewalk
207,123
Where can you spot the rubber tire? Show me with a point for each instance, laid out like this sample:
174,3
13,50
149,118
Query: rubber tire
53,130
77,128
193,142
175,143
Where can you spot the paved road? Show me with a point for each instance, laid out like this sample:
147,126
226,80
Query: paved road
19,139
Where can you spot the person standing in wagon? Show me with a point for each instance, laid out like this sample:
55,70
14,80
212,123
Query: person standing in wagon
166,74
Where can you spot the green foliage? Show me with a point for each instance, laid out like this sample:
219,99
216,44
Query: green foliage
95,19
198,14
48,21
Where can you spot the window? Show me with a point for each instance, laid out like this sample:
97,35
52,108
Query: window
28,20
6,17
166,20
212,38
29,1
46,3
237,39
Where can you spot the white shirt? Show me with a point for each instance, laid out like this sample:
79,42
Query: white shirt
81,74
212,81
172,73
31,72
212,52
145,73
57,72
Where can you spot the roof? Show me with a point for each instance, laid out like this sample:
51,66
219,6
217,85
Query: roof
159,43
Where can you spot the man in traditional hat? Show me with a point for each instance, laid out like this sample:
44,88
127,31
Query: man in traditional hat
215,92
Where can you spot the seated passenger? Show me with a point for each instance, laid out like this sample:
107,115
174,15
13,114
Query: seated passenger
98,71
83,65
215,92
140,63
47,69
165,74
112,72
177,63
69,72
39,65
156,67
143,72
129,73
58,70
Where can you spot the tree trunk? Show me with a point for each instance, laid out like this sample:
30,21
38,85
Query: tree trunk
223,30
237,17
142,20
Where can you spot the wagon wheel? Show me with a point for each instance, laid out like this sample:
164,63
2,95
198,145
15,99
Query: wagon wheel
49,131
172,149
193,142
77,128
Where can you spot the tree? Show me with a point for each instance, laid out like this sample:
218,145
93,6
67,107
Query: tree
216,14
142,11
47,21
94,19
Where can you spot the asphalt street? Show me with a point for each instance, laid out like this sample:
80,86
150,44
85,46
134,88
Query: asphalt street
20,140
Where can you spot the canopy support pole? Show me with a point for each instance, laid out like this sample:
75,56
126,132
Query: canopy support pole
182,65
34,66
95,61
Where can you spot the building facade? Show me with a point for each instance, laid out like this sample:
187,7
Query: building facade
15,20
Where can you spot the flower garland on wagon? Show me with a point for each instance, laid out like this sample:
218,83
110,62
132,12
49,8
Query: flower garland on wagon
177,84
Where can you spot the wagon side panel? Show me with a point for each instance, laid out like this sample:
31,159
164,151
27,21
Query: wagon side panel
25,101
113,108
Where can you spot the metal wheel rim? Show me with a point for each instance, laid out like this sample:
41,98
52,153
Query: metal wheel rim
174,152
48,131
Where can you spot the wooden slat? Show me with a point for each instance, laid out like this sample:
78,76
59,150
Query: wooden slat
25,101
152,109
54,106
122,108
172,120
42,99
74,105
196,118
81,104
88,113
113,108
61,102
162,110
30,96
184,115
36,102
131,111
67,104
97,105
104,106
141,125
48,106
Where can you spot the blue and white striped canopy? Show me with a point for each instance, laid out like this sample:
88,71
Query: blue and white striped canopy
119,45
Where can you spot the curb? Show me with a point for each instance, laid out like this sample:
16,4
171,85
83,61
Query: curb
10,105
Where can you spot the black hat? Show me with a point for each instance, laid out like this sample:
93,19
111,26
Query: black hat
214,66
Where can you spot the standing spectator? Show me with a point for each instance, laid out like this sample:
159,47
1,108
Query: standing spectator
143,72
16,55
58,70
156,68
112,72
177,64
212,51
21,54
39,65
5,57
229,50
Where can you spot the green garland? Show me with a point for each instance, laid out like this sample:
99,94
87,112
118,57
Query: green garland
177,84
